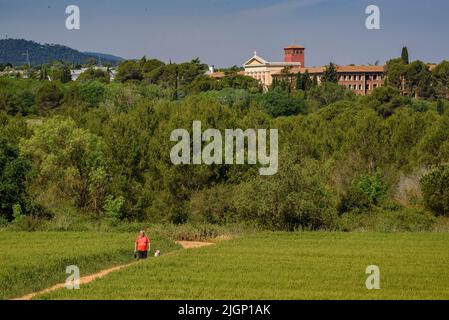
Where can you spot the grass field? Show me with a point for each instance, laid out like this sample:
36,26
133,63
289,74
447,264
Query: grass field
286,266
33,261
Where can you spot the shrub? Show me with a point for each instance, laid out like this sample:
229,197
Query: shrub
92,93
17,213
366,191
435,190
49,96
295,198
380,220
13,172
113,209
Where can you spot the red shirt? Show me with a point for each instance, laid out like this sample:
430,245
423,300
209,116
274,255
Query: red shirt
142,243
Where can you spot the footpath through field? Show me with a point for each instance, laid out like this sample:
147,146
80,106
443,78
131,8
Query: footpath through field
105,272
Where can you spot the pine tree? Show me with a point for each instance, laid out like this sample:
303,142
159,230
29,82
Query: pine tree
330,73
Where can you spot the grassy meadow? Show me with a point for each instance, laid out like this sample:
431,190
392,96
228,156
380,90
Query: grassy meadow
31,262
306,265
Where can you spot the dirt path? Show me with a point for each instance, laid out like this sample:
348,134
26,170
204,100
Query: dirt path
105,272
194,244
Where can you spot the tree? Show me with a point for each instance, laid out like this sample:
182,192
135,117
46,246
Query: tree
61,73
418,79
69,161
303,81
330,74
278,102
13,173
129,70
404,55
49,96
328,93
306,201
395,70
385,100
94,74
441,79
435,189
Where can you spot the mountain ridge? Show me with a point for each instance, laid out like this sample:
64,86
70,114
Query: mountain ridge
19,51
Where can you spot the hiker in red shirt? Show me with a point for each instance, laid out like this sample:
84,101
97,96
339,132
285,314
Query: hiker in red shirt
142,246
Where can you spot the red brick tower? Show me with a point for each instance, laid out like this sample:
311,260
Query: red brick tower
295,54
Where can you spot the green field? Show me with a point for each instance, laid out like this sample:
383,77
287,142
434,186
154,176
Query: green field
33,261
286,266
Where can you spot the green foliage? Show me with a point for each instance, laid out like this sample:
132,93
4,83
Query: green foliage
17,213
385,100
419,79
92,93
435,189
294,198
327,93
404,55
395,71
113,209
13,173
61,73
93,74
14,51
129,70
366,191
277,103
113,139
441,79
69,162
49,96
330,74
384,220
303,81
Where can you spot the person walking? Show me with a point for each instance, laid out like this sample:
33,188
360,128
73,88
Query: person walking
142,246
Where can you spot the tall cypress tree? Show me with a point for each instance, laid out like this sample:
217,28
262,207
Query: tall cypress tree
404,55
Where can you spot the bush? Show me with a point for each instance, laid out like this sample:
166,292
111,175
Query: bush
49,96
213,205
295,198
92,93
366,191
380,220
279,103
113,209
13,172
435,190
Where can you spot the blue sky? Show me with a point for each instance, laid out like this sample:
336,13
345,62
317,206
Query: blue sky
226,32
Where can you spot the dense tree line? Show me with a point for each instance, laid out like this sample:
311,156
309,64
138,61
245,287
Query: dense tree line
103,150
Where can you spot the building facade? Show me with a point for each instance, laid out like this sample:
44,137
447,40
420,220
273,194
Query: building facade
262,70
360,79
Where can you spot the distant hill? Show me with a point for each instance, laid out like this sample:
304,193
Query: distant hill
14,51
104,57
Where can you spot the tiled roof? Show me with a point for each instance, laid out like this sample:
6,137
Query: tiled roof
340,69
294,47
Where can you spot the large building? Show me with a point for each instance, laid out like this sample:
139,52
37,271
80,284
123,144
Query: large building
262,70
360,79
